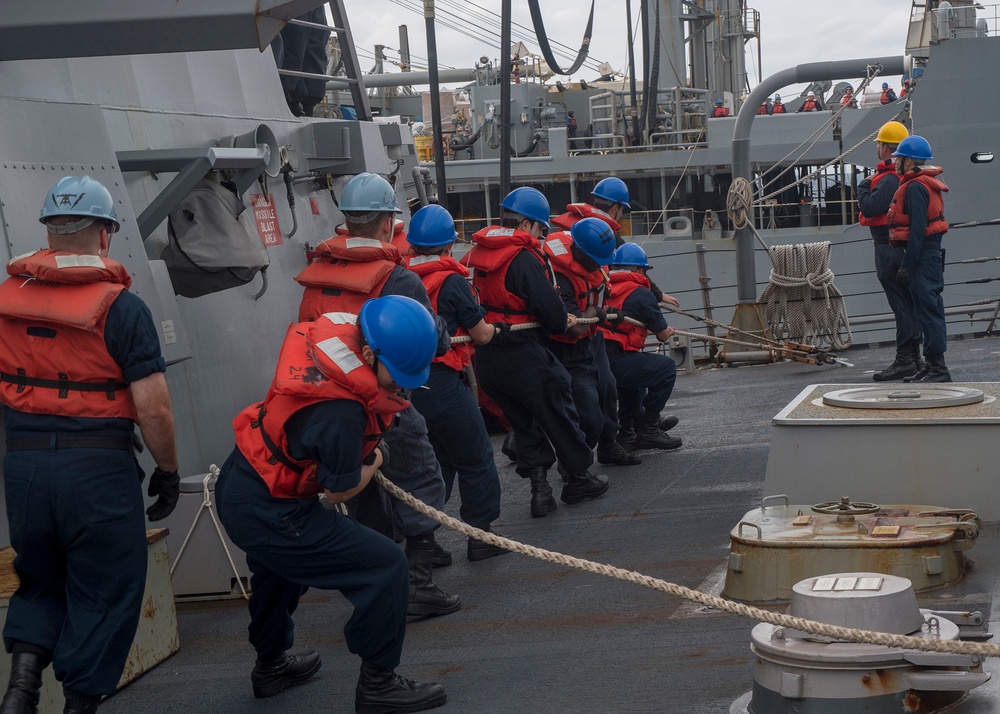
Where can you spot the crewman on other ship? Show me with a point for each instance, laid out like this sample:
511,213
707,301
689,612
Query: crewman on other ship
779,108
454,423
811,104
515,285
320,429
80,366
888,95
348,270
719,110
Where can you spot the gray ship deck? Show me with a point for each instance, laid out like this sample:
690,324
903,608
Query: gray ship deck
537,637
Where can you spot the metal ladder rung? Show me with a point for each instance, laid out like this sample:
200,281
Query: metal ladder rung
312,75
317,25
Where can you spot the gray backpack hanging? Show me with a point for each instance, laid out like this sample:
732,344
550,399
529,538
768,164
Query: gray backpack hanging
210,248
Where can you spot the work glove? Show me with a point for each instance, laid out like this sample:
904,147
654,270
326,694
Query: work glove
903,277
614,318
166,485
600,314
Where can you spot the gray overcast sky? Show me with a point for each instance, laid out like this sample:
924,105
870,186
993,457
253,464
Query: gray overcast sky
792,31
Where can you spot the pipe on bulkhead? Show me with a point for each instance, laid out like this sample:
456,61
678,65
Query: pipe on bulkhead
746,279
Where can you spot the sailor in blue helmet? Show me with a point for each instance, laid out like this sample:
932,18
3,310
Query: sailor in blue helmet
335,391
514,280
888,94
577,258
455,425
80,366
917,224
720,110
349,269
645,379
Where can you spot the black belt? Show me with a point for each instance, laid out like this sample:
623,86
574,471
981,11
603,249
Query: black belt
69,441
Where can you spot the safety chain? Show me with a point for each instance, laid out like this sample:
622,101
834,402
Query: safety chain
206,505
837,632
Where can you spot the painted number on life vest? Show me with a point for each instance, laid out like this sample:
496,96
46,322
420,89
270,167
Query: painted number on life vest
266,219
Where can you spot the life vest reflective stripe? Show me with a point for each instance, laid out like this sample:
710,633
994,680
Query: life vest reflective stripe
631,337
53,356
433,271
319,361
899,221
589,288
885,168
579,211
347,271
492,251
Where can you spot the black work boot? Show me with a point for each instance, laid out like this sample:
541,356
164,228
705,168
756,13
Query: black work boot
668,422
936,371
582,486
25,682
919,363
442,557
626,433
77,703
614,453
273,675
902,366
382,691
426,598
481,550
542,501
648,434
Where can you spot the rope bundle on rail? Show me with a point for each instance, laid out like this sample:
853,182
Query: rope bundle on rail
800,301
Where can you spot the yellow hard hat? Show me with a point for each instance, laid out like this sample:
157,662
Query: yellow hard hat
892,132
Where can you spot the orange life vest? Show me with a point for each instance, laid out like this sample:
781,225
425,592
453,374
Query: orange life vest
810,105
347,271
884,169
899,222
589,288
492,251
779,108
579,211
53,357
319,361
720,112
631,337
433,271
762,110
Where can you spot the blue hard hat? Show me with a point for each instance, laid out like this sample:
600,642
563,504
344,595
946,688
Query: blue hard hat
431,227
847,86
366,193
612,190
595,238
79,196
403,336
777,97
630,254
885,85
914,147
718,101
528,202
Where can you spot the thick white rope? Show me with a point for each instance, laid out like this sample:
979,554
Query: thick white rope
848,634
206,505
800,301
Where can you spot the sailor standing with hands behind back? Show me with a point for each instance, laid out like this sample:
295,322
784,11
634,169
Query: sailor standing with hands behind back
80,366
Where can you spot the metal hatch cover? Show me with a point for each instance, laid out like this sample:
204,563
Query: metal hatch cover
924,396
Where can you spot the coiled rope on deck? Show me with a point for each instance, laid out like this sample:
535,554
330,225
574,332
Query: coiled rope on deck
849,634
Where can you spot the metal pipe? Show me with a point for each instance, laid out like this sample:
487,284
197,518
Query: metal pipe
436,129
421,177
746,279
505,69
404,79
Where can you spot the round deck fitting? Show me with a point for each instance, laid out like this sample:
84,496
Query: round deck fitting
924,396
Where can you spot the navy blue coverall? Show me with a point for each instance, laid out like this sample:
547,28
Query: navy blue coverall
923,256
455,424
303,49
529,384
78,527
636,371
888,259
295,544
